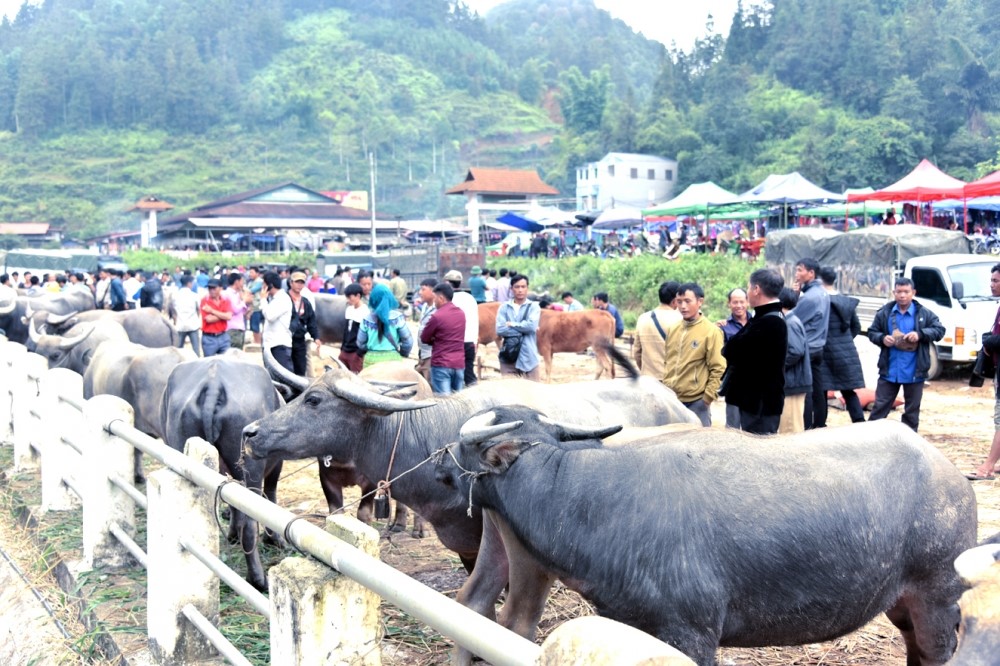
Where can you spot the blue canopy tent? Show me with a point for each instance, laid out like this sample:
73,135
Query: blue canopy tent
512,219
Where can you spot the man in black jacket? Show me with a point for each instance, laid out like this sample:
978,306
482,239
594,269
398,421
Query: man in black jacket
904,331
755,357
303,321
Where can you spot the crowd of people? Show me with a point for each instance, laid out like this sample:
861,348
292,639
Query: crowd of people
773,360
780,352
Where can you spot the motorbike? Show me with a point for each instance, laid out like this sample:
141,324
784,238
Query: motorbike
987,243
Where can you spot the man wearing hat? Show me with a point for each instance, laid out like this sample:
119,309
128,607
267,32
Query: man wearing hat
216,311
477,284
303,320
464,301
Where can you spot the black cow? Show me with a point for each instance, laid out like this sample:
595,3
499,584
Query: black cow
720,538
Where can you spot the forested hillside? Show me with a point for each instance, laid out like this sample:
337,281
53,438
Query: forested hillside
105,101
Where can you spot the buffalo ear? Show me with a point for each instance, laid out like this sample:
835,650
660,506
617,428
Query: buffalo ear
498,457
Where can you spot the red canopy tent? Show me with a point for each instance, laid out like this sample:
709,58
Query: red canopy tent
984,187
925,183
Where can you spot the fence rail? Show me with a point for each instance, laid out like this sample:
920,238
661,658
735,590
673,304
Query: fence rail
84,452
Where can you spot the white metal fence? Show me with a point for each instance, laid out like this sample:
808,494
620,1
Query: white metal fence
84,451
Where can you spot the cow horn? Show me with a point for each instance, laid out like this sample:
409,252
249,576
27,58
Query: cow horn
58,320
569,431
481,428
69,343
281,374
7,308
357,394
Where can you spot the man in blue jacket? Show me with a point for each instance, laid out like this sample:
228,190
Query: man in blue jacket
904,331
600,301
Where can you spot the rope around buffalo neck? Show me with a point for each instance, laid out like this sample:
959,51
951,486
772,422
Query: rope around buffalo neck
474,476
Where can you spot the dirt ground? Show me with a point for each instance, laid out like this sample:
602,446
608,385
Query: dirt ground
954,417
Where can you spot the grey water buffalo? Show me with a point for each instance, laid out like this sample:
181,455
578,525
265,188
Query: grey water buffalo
330,317
138,375
720,538
979,633
75,349
214,398
343,416
144,326
334,475
14,312
562,332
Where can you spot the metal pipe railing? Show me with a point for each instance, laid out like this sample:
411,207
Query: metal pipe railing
229,577
214,636
126,540
129,490
482,636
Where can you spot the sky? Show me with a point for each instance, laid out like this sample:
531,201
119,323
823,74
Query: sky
680,21
667,21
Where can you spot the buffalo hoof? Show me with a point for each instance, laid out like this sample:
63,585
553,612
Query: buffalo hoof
258,582
418,534
275,539
397,528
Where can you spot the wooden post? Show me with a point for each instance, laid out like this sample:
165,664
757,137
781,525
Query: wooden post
178,508
12,357
319,616
26,391
104,456
598,641
61,419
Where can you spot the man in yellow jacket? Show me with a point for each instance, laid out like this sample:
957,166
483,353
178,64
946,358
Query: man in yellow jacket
693,361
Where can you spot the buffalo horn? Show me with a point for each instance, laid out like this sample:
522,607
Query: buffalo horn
387,386
32,333
569,432
280,373
69,343
481,428
59,320
358,394
8,307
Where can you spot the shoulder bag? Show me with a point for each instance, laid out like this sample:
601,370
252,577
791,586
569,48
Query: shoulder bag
511,348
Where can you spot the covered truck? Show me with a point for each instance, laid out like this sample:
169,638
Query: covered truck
948,278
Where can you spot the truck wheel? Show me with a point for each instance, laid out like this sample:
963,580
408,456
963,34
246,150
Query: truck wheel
935,370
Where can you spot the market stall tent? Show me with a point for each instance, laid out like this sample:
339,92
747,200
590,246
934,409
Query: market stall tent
697,199
984,187
925,183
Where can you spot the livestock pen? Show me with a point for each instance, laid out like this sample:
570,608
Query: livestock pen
320,609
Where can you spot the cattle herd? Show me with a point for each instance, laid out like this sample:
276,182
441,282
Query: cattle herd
703,538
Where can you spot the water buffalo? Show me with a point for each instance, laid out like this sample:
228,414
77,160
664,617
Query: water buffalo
144,326
334,476
330,317
214,398
138,375
15,312
979,633
350,420
75,349
720,538
562,332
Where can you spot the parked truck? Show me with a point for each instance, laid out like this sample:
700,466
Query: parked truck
948,278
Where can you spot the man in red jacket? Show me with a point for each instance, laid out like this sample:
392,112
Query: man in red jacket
445,332
216,311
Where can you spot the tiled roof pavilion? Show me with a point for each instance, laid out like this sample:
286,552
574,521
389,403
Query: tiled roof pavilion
480,180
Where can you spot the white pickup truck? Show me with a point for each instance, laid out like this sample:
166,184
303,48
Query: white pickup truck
950,281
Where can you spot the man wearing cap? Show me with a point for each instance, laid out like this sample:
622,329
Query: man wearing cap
303,320
216,311
477,284
464,301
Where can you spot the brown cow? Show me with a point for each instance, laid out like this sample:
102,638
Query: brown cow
561,332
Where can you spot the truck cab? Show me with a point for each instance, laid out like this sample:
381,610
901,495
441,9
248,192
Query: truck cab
956,287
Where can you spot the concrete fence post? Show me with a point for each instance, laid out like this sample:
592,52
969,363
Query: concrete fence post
61,420
26,392
12,357
105,455
178,508
319,616
598,641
